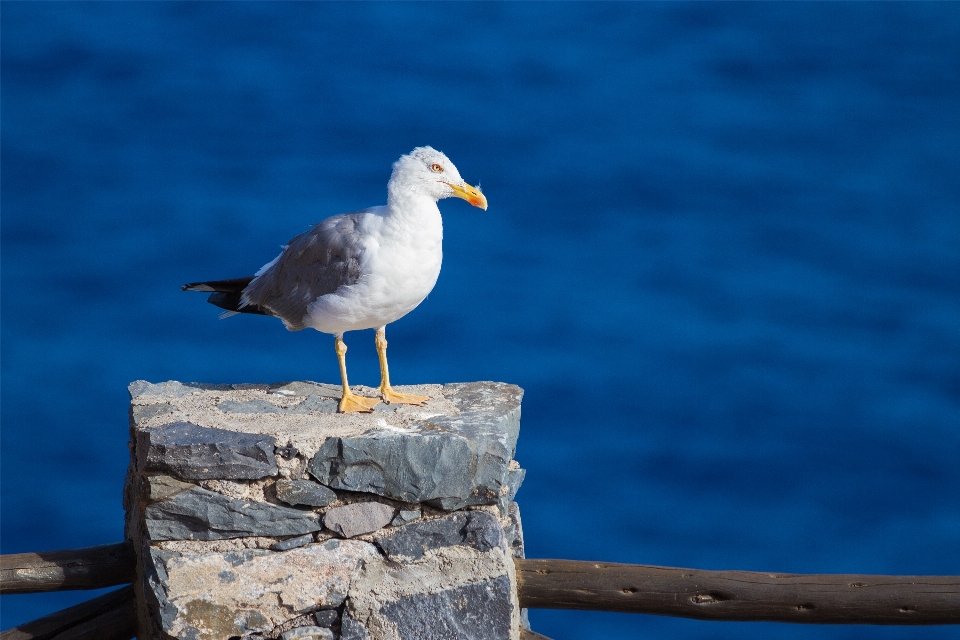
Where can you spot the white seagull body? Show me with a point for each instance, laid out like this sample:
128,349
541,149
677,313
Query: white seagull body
398,263
359,270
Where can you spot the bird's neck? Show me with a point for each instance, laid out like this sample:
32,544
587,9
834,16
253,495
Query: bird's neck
414,218
403,203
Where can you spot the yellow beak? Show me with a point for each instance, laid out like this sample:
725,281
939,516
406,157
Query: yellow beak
470,194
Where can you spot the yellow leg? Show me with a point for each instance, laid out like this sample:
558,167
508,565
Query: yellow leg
350,401
386,391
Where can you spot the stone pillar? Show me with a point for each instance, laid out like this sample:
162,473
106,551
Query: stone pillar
259,512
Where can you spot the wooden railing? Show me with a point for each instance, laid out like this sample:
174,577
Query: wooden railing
739,595
112,616
542,584
88,568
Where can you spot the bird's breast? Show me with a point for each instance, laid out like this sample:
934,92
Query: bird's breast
406,265
400,267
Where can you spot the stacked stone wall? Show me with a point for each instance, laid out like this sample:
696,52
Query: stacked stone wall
259,512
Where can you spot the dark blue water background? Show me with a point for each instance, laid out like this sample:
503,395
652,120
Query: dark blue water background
722,256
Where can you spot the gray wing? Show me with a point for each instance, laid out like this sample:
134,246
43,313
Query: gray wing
313,264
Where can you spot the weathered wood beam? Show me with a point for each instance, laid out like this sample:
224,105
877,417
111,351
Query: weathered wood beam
89,568
112,616
739,595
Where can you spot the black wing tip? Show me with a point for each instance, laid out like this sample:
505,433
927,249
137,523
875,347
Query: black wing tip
227,294
196,286
233,285
233,301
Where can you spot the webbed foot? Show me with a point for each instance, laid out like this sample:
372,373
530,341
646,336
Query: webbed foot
351,403
395,397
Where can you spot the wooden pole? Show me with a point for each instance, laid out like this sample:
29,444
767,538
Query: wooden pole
89,568
112,616
739,595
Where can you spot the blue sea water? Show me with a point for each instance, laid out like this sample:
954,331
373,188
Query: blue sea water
722,256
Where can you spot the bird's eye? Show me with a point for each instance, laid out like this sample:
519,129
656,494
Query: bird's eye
436,168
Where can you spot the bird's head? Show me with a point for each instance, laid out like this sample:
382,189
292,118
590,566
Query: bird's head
426,171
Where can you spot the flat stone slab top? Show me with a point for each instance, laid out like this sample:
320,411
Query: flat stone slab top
451,453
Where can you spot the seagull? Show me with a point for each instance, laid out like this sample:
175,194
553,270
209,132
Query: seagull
360,270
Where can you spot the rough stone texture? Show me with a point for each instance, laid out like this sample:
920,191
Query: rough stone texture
514,530
350,629
145,412
287,453
198,514
298,414
162,487
359,518
253,406
306,388
386,408
515,476
216,596
292,543
318,404
450,462
406,516
220,558
192,452
313,403
477,611
327,618
170,388
477,529
459,586
307,633
304,492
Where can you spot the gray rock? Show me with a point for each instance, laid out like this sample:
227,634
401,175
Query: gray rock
406,516
514,531
317,404
199,514
386,408
287,453
251,406
163,487
327,618
447,578
292,543
251,591
306,388
192,452
168,388
313,403
477,529
143,412
478,611
304,492
451,462
350,629
358,518
515,476
307,633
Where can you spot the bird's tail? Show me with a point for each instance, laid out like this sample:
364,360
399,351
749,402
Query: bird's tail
227,294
